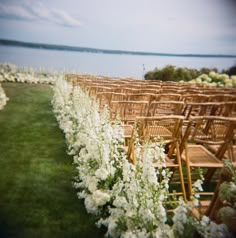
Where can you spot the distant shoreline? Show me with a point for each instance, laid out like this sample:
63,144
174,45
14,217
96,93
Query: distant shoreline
6,42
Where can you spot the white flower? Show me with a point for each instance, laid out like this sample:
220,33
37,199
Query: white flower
92,184
215,80
212,74
100,197
162,213
180,217
112,225
13,74
135,234
198,80
90,205
3,98
82,195
147,214
198,185
205,221
149,171
128,234
102,173
120,202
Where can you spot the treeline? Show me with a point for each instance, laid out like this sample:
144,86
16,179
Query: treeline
173,73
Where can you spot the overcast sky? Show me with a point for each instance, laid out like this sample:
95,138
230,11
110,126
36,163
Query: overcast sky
166,26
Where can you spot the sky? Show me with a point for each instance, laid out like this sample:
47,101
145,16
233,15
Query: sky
165,26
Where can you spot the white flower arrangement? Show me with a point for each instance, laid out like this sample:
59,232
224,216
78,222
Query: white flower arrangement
3,98
214,79
138,207
129,199
93,141
11,73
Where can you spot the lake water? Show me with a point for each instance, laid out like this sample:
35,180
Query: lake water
116,65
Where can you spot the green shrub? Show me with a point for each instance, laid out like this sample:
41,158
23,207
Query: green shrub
173,73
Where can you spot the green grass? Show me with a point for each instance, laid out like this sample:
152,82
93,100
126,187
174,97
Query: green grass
36,194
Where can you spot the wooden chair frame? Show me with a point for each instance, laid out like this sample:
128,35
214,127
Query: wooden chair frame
201,132
158,108
168,129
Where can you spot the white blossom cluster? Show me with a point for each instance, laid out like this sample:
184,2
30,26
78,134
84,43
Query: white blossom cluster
129,199
214,79
3,98
138,207
11,73
93,141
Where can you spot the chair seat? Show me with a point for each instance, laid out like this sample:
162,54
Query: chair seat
170,163
160,131
128,130
201,157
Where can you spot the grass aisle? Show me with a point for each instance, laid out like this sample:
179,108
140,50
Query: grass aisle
36,196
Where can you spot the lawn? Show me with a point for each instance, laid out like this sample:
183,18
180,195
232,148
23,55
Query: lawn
36,194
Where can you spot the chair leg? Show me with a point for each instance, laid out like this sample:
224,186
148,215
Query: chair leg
189,178
216,204
209,174
181,172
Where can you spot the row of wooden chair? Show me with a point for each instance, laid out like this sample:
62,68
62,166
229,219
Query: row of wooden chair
95,84
127,111
93,89
105,98
203,144
195,125
163,94
89,80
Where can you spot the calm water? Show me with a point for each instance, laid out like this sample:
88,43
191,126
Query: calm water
119,65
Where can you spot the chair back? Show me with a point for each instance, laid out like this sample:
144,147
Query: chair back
165,129
210,131
158,108
128,110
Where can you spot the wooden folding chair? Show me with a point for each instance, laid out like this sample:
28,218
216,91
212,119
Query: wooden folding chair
118,96
193,98
141,97
169,97
150,90
128,134
220,97
165,130
127,111
202,109
103,98
158,108
229,109
201,133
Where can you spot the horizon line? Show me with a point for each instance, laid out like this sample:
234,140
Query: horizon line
8,42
